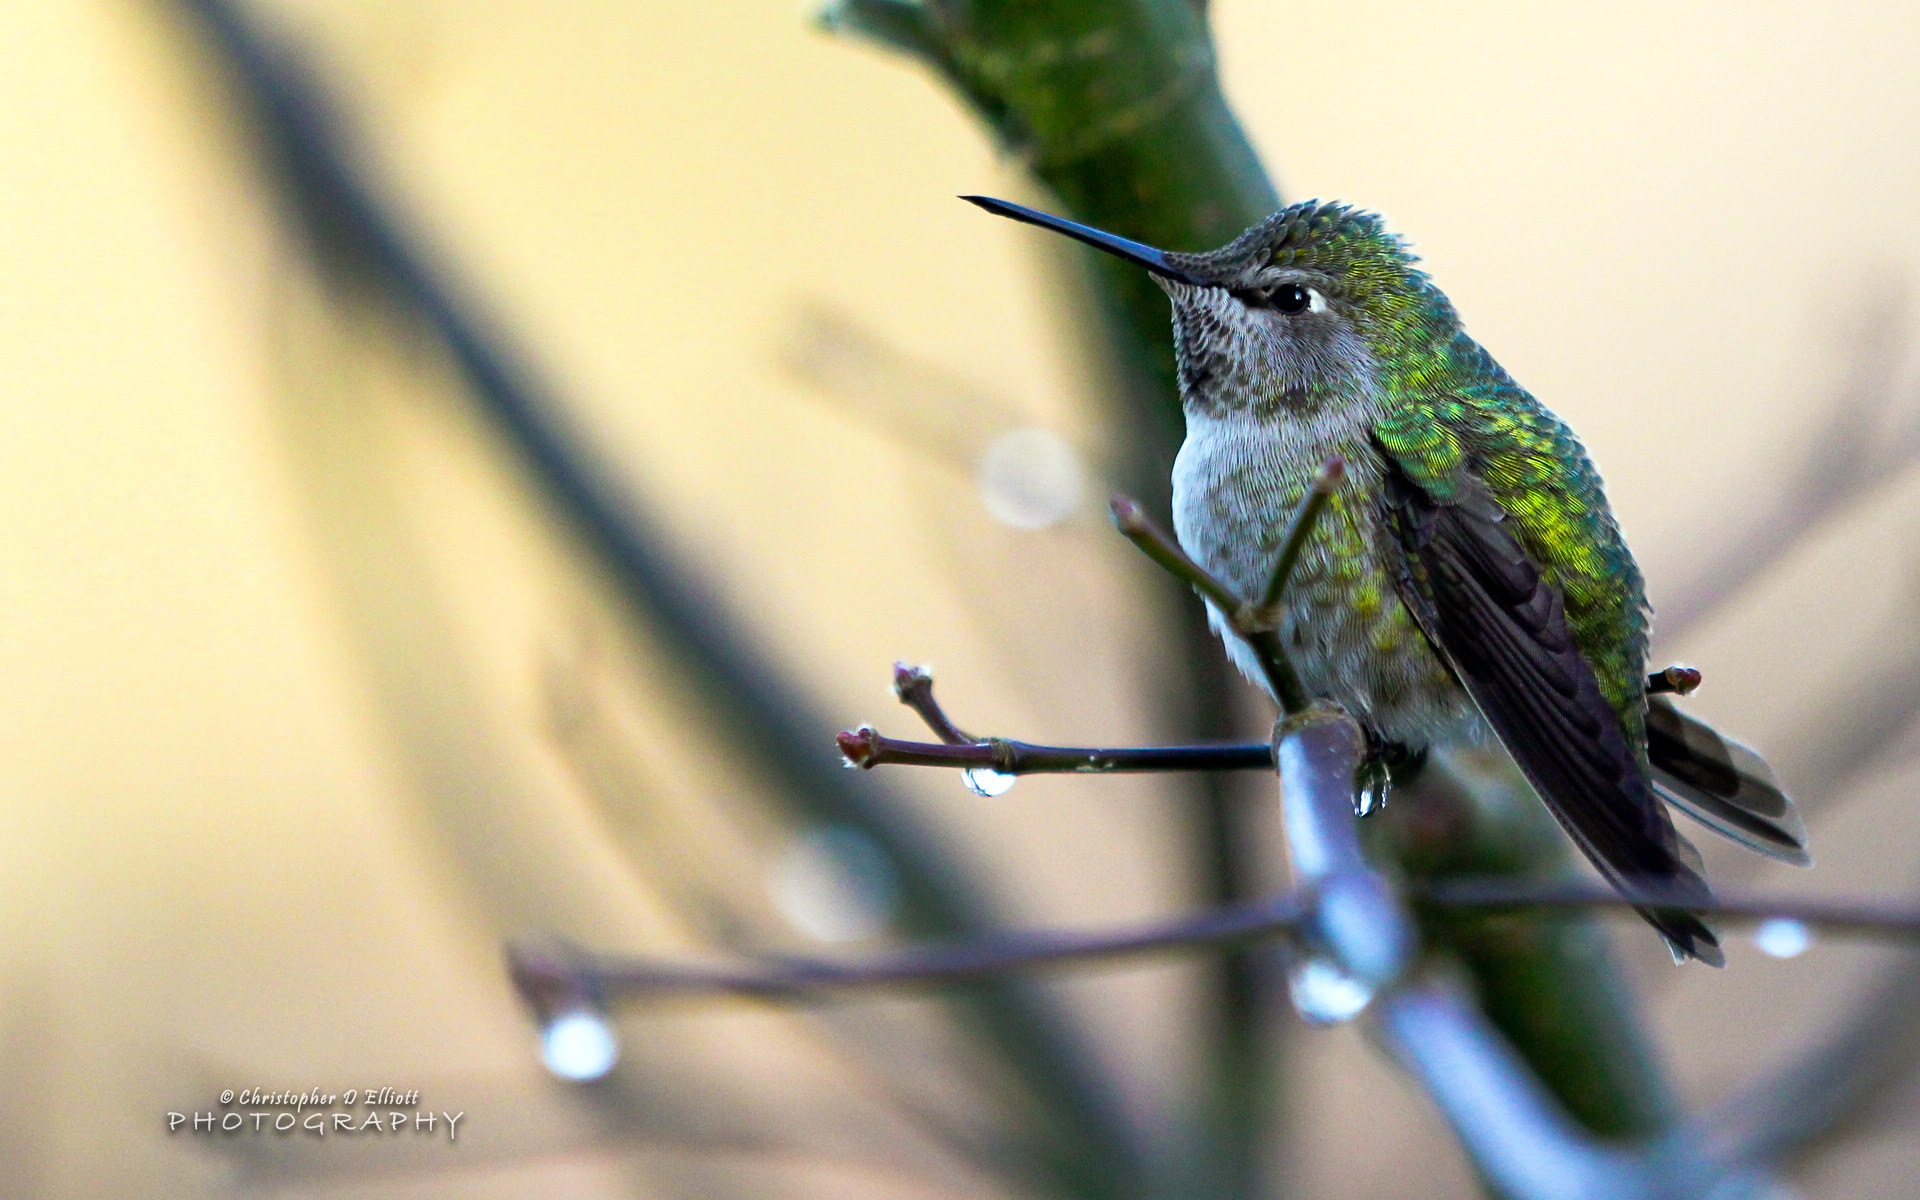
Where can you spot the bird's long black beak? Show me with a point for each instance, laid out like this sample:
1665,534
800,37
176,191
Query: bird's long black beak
1134,252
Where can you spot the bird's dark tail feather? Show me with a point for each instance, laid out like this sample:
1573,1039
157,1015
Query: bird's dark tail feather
1722,784
1687,934
1501,625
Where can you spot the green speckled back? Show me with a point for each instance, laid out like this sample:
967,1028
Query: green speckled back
1463,413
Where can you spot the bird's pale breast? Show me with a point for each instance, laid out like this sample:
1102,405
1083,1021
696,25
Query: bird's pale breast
1236,483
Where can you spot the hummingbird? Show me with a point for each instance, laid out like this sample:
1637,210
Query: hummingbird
1467,581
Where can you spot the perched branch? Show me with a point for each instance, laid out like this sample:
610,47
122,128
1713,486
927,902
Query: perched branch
1552,985
1519,1136
1357,917
1509,1123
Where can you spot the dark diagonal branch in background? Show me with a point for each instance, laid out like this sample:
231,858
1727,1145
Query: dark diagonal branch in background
370,251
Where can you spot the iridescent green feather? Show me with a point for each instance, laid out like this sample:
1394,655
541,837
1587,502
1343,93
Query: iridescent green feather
1451,412
1480,421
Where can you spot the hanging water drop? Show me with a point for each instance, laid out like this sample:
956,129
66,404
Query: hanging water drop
1324,994
1783,937
579,1046
1371,786
985,781
1372,796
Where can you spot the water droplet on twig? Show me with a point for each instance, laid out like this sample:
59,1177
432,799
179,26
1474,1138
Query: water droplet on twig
985,781
1324,994
1371,797
1783,937
579,1045
1372,785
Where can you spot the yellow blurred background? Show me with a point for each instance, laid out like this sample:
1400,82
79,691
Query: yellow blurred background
308,704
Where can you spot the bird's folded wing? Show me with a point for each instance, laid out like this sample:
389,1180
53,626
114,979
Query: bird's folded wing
1503,629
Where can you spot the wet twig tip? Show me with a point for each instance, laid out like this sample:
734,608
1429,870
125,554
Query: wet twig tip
914,687
860,747
1678,681
909,679
1127,514
551,976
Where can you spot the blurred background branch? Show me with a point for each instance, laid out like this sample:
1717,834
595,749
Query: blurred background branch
372,256
470,458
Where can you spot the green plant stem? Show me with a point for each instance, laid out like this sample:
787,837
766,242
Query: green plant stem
1116,107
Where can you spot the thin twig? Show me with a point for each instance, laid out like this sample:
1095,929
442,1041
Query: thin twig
866,747
1137,527
914,687
1251,623
1300,528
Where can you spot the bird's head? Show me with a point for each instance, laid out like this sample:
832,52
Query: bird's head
1297,312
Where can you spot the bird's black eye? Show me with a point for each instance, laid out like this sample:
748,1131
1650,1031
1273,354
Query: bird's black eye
1291,298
